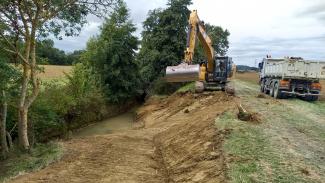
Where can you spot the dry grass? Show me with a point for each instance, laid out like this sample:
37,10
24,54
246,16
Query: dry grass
251,77
54,71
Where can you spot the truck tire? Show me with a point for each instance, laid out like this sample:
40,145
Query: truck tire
312,98
272,90
262,86
277,92
265,91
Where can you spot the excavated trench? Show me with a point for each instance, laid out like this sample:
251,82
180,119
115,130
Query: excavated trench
173,139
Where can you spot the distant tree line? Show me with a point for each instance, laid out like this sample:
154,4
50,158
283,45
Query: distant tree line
49,55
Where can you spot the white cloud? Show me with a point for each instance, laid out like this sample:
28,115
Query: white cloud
260,27
257,27
138,13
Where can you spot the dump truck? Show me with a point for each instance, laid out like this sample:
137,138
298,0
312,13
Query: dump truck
291,77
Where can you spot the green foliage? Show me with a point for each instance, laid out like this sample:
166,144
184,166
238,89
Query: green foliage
60,103
80,82
111,57
72,16
8,75
47,112
189,87
39,157
48,54
164,39
219,38
161,87
74,57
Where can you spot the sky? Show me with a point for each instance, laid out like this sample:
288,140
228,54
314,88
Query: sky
257,27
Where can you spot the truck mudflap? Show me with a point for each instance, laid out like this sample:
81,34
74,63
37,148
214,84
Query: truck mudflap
301,94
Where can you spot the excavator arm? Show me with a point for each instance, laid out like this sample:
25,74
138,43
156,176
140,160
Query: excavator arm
197,30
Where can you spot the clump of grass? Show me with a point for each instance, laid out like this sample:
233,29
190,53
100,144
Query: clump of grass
190,87
39,157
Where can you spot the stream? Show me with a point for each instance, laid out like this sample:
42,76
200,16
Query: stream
108,126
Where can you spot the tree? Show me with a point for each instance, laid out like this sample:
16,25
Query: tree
112,56
220,42
74,57
8,76
47,54
164,39
25,20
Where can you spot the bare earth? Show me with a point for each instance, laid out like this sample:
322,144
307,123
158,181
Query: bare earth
174,140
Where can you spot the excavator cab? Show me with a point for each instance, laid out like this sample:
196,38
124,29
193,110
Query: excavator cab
222,68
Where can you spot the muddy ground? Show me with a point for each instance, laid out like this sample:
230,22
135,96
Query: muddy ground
174,140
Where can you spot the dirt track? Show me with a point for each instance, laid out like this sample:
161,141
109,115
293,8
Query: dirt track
174,140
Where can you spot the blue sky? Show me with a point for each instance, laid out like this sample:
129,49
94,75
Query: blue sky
258,27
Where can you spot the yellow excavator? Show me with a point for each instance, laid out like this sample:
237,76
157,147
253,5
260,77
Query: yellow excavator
212,74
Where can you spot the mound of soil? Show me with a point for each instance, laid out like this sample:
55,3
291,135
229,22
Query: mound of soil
190,147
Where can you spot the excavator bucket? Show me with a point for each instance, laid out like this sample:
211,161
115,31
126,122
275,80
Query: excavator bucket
182,73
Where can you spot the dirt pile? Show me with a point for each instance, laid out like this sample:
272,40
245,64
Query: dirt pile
189,148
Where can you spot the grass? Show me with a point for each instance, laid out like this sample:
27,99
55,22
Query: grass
39,157
302,121
190,87
287,146
252,158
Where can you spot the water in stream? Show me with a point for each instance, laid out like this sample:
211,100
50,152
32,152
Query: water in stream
108,126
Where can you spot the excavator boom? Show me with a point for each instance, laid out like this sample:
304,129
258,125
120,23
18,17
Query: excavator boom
185,71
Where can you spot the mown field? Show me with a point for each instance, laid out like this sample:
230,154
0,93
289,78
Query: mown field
54,71
252,77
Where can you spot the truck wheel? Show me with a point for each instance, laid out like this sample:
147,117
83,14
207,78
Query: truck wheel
277,92
312,98
262,86
272,90
265,91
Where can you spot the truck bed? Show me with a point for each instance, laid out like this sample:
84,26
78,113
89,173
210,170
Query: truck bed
294,68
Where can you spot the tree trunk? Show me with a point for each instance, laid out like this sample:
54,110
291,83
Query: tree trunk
22,129
27,97
3,132
23,109
9,139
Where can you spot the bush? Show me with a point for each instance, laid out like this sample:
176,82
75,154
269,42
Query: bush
46,114
161,87
40,156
